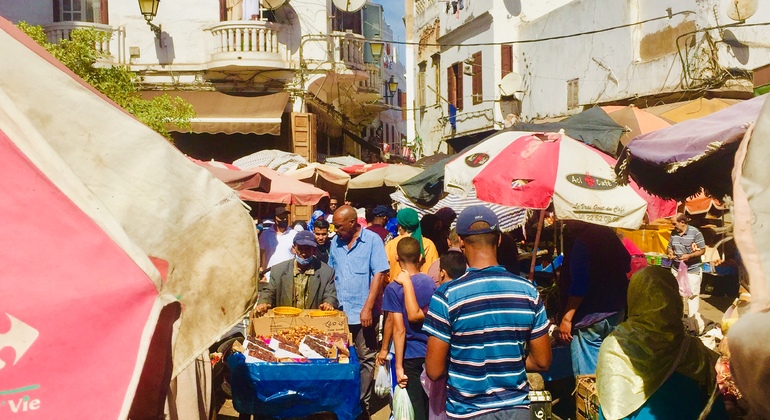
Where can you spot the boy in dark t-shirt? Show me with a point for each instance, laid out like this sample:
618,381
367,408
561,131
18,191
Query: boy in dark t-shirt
409,341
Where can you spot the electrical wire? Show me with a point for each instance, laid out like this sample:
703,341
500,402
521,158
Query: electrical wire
551,38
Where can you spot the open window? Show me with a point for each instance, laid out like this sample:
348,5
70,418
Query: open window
94,11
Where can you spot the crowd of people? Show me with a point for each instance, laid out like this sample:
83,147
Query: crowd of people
457,312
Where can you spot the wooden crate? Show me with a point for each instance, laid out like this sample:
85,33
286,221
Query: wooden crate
586,399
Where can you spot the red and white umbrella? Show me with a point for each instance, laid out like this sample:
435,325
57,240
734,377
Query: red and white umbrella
532,169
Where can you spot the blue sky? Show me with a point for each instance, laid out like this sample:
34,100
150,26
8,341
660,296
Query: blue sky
394,12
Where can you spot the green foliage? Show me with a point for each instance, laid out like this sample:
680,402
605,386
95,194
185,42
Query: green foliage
79,54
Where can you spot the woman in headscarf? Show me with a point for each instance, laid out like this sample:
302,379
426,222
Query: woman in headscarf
409,225
649,368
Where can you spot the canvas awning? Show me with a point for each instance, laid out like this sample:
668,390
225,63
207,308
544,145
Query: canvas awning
218,112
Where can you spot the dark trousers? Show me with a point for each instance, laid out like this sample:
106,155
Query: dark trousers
365,340
413,370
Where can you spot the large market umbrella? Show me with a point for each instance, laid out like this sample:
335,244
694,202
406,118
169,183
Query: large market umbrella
342,161
283,189
235,177
592,126
510,217
328,178
387,176
532,169
636,121
701,203
678,161
690,110
363,168
427,187
428,161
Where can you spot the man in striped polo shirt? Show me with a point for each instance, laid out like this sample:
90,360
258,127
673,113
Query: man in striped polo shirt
486,329
687,245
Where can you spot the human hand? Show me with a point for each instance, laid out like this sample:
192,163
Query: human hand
326,306
260,309
565,330
684,257
382,357
366,317
402,277
401,377
671,255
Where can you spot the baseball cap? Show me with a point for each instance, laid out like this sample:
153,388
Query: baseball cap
305,237
381,210
280,211
473,214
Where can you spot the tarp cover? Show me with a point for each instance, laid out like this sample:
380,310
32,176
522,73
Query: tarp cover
168,206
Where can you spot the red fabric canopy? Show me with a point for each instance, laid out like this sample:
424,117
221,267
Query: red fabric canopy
283,189
366,167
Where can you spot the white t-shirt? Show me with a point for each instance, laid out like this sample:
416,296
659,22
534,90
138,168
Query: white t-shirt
277,247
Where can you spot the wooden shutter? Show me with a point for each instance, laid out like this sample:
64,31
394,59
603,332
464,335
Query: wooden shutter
105,16
402,103
303,135
477,79
459,85
451,85
506,59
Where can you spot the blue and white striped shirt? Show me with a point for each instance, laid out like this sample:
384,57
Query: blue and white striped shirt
683,244
487,316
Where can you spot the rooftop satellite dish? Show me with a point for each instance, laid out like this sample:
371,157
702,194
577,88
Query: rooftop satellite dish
740,10
272,4
349,5
510,84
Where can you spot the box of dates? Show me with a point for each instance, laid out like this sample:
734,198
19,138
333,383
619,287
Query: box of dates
306,336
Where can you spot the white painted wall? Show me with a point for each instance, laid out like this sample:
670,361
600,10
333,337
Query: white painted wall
608,64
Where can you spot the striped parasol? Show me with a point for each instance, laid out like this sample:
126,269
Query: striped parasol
510,217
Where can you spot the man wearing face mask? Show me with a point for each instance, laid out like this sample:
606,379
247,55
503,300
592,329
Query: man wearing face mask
275,242
303,282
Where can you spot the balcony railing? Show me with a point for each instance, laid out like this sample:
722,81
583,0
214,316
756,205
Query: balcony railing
254,42
373,81
348,48
56,32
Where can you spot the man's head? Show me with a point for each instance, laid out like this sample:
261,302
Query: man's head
408,251
344,221
321,231
282,217
380,214
446,216
680,222
452,265
478,226
304,247
333,203
453,240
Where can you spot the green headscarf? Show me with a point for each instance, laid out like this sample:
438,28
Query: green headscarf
410,220
642,352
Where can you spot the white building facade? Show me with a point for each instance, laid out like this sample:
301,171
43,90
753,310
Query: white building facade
258,78
567,55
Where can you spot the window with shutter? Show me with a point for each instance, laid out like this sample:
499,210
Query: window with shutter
421,85
572,94
451,84
506,59
458,71
477,79
436,60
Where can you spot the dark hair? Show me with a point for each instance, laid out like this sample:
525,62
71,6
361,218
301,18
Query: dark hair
408,250
483,239
321,224
454,263
682,218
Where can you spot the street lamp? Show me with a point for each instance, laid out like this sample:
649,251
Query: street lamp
376,45
392,88
149,9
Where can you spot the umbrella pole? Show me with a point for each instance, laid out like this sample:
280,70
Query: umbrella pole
537,243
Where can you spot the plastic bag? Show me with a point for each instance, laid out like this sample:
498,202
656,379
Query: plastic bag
402,405
382,381
436,391
683,280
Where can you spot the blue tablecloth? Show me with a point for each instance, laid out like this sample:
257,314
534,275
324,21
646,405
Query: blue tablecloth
296,389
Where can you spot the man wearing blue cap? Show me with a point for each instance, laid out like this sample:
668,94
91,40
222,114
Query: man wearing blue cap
379,218
303,282
486,329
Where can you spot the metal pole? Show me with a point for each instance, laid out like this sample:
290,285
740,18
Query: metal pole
537,243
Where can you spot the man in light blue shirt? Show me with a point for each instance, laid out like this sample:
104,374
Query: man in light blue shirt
358,258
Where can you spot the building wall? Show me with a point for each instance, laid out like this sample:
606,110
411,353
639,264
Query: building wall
638,60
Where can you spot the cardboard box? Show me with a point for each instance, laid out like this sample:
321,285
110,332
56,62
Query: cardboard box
586,399
270,324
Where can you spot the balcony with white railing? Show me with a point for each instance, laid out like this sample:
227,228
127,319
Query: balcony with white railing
115,46
247,44
369,86
348,49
